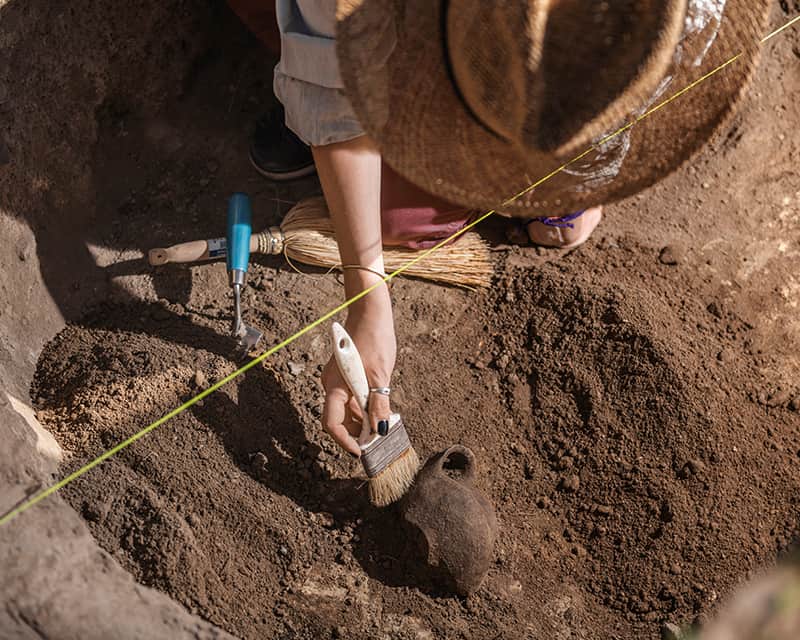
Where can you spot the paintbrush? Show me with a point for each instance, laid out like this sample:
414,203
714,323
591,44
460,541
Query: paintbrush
390,461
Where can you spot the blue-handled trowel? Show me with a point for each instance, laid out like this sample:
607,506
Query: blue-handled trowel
239,230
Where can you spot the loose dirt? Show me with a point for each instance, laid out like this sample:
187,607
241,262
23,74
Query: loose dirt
632,404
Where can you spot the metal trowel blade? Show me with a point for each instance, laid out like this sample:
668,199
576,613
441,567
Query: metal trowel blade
249,337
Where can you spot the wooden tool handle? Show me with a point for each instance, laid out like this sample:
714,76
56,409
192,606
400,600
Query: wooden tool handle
194,251
185,252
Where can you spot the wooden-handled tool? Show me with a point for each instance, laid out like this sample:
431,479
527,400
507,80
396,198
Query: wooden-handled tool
199,250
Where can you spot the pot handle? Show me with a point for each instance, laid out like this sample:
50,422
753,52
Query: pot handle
463,458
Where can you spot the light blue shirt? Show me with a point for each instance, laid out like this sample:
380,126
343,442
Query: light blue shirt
307,79
308,41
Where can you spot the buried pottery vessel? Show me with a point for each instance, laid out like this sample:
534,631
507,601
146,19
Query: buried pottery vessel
452,521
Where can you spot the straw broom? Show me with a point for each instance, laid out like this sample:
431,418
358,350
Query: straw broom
306,235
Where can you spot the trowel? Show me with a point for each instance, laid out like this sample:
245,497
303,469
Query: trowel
239,230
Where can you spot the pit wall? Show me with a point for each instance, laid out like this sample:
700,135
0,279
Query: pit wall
62,66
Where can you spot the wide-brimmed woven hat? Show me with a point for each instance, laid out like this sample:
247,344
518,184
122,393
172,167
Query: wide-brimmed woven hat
475,100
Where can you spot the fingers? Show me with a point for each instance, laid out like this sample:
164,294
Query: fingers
379,410
334,417
355,410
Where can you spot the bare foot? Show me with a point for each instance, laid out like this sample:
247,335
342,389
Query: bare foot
565,233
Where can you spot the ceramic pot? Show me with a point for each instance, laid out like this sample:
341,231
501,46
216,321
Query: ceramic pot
452,520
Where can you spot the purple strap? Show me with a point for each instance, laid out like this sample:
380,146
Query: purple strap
564,222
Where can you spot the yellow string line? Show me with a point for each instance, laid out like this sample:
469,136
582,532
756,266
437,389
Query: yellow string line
327,316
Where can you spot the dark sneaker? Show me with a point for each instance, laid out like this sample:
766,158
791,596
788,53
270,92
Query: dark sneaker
276,152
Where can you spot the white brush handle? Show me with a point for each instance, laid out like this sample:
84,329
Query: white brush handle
349,361
352,369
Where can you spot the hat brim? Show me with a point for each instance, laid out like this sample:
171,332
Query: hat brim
395,72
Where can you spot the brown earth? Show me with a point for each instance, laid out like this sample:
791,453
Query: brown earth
633,404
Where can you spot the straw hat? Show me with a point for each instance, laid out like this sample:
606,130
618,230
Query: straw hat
475,100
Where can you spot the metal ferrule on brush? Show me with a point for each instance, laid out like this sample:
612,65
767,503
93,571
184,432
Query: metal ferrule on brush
382,451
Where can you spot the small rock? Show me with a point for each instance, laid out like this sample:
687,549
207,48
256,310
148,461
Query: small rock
714,309
200,380
178,309
478,362
604,510
671,632
675,569
338,633
283,551
696,466
692,467
259,464
569,483
326,519
92,512
725,355
607,242
794,405
543,502
779,399
670,255
296,368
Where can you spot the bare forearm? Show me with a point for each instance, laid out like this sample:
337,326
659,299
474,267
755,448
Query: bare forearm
350,173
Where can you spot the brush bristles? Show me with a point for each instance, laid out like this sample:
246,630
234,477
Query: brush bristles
394,481
310,239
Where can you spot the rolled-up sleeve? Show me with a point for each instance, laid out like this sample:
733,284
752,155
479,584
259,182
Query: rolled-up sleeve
307,79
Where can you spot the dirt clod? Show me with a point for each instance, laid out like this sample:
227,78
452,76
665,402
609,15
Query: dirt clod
671,255
200,379
569,483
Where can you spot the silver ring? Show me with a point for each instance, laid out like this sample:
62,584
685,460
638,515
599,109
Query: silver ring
383,391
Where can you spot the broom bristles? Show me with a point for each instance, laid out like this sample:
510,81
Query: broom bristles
310,239
394,481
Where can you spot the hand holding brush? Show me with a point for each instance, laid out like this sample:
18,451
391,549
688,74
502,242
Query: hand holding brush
388,457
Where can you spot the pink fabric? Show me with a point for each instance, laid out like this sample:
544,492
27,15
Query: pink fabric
411,217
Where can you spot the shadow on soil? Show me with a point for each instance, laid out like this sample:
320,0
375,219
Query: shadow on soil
290,467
